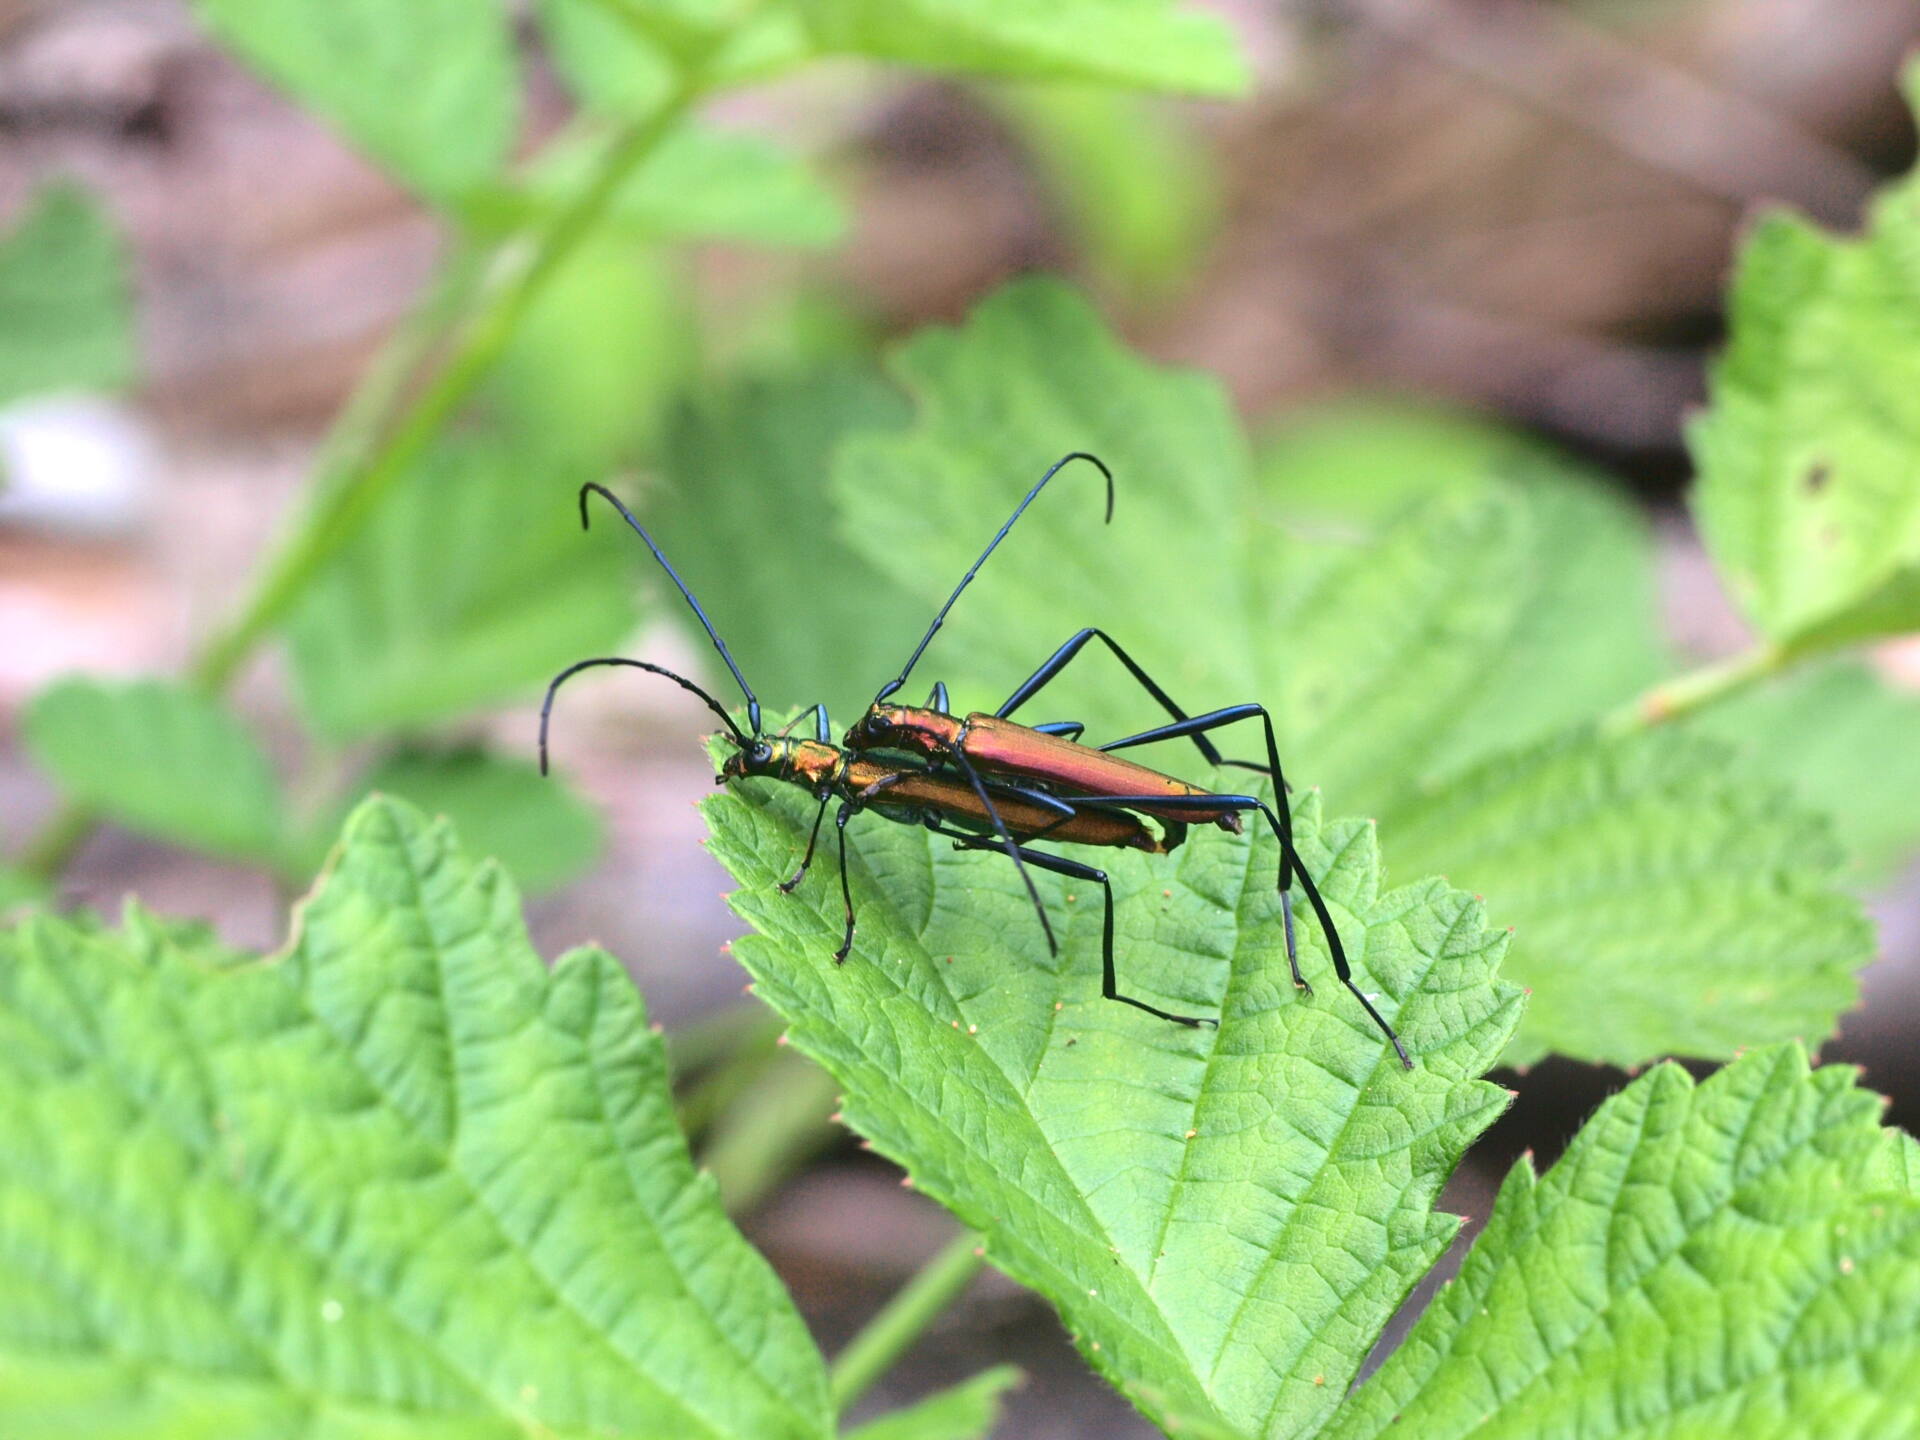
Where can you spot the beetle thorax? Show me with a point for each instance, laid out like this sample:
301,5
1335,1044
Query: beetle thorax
904,727
812,763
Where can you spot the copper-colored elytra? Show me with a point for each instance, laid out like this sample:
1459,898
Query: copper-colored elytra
820,766
1002,748
1024,820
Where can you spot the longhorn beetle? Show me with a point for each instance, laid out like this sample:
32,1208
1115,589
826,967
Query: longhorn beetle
1050,756
898,788
1034,784
901,790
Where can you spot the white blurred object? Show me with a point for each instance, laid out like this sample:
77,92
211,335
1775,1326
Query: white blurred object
77,465
1898,662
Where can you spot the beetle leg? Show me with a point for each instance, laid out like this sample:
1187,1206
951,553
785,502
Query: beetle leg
1065,729
1011,850
1063,809
1195,726
1109,980
1289,862
1340,966
786,886
841,816
1065,655
819,713
880,786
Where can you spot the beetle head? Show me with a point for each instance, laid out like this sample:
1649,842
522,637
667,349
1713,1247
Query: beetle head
755,757
812,763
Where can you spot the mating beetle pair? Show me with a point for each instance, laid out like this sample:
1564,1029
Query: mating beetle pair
988,783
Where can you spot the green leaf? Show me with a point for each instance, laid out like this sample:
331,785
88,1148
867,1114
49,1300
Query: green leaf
1807,497
1736,1258
752,460
967,1411
1355,464
399,1181
473,584
729,185
537,827
1139,191
594,363
65,315
1664,902
1486,616
1849,744
1587,616
428,89
792,329
617,59
770,42
698,33
608,58
700,184
1032,375
1535,578
1385,661
160,759
1225,1221
19,890
1146,44
1411,671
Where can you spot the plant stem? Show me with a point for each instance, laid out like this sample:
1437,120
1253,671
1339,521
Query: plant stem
383,389
367,451
770,1131
719,1037
714,1095
49,852
1680,697
367,413
724,1078
888,1336
343,503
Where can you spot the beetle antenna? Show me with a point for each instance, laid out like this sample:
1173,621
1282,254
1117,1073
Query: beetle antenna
967,579
546,705
753,703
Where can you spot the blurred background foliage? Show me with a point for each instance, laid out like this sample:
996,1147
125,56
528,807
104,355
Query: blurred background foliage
1389,318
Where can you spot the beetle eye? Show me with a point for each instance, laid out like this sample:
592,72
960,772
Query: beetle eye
762,753
876,725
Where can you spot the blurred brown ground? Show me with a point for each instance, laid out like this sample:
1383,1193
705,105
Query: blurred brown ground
1523,207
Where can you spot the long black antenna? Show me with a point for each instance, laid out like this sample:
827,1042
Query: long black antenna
753,703
967,579
546,706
